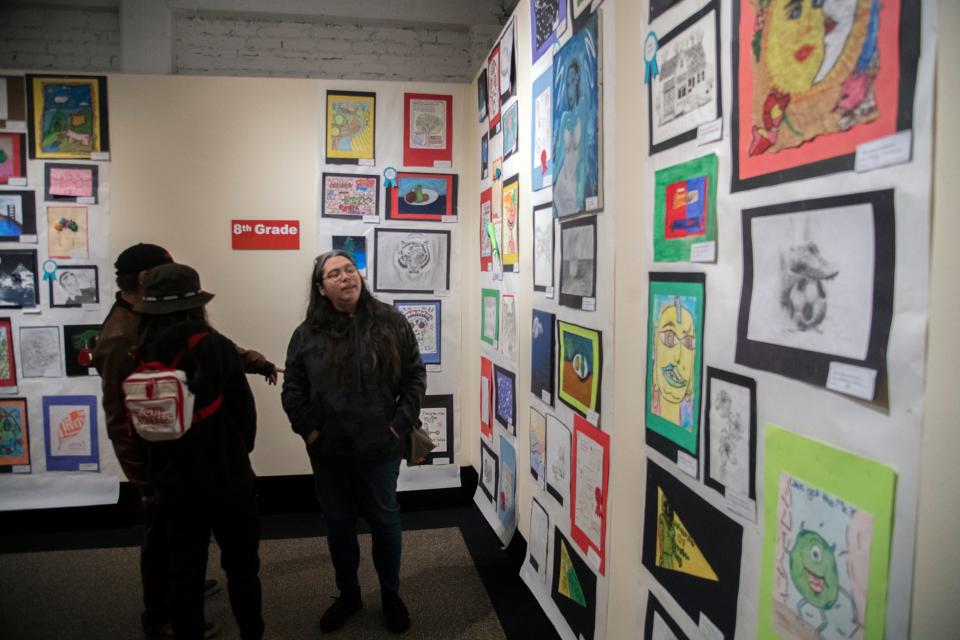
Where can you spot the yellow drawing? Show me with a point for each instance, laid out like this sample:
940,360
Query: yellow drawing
674,359
350,126
676,549
569,583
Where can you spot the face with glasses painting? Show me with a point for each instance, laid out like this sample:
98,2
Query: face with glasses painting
340,282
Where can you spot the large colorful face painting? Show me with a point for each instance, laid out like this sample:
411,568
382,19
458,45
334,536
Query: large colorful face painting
824,75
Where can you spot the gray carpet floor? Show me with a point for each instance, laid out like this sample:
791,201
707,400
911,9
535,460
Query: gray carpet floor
96,593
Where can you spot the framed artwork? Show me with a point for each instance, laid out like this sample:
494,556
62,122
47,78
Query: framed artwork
496,170
427,130
685,209
424,318
356,248
493,90
817,295
508,326
692,549
508,67
422,196
68,117
830,514
505,383
578,263
13,156
581,363
14,435
482,95
489,472
13,101
543,241
484,156
579,8
507,484
19,285
538,445
848,77
658,7
659,625
548,19
79,341
67,233
538,550
74,286
686,93
677,307
350,196
511,123
486,397
40,355
351,127
436,418
577,145
574,588
510,244
18,216
490,317
8,363
730,448
542,347
559,445
590,488
486,218
70,433
411,260
70,182
541,157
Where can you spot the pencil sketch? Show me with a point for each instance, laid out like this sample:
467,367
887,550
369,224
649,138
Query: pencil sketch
577,259
409,260
40,352
508,326
730,435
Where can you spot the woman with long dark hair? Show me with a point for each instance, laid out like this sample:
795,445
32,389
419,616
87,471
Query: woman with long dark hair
203,480
353,387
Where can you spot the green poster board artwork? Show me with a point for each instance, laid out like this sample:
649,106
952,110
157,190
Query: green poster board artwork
826,547
685,211
490,316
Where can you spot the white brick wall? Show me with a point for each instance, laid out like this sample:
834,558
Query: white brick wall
63,39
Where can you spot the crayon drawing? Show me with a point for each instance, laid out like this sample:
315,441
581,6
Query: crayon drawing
685,208
68,116
14,433
350,196
351,127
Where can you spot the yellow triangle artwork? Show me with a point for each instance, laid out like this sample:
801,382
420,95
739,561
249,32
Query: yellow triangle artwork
676,549
569,585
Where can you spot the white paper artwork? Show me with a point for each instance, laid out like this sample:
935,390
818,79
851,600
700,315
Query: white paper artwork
577,261
589,486
506,59
74,286
490,319
539,538
543,247
488,472
558,460
730,435
434,422
508,327
40,352
485,399
813,280
415,261
75,444
428,124
685,91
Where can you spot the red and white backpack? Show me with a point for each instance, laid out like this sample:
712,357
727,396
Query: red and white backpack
159,402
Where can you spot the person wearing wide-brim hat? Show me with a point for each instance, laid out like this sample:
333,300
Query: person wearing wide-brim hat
204,481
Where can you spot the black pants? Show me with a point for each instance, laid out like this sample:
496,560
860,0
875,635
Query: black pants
154,569
236,526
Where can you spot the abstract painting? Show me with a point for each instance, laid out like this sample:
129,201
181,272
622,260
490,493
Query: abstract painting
574,588
79,342
581,363
74,286
505,383
350,196
686,93
548,18
542,347
351,127
685,208
543,240
40,355
538,549
68,235
8,363
507,485
355,247
68,117
590,488
659,625
508,68
559,444
508,326
424,318
70,433
538,445
436,418
490,317
818,287
19,285
578,261
427,129
489,472
18,216
14,434
422,196
484,156
13,156
812,83
486,218
826,547
692,549
674,361
541,133
511,130
482,95
411,260
576,127
510,243
70,182
486,397
731,433
493,90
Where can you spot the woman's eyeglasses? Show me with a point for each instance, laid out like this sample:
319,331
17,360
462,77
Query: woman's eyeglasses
338,274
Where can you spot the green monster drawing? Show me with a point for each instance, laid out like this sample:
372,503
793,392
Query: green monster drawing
813,570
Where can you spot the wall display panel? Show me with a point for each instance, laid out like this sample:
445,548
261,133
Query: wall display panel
19,220
14,436
68,117
349,196
685,211
13,156
411,261
541,131
425,318
422,196
428,130
351,127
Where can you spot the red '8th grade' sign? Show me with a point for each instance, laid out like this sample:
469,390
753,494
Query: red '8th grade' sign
265,234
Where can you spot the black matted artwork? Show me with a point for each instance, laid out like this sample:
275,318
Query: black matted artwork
573,588
18,215
578,261
505,388
64,182
489,472
436,418
74,286
730,449
79,341
659,624
19,285
411,260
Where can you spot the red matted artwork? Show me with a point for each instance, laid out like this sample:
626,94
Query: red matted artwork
589,488
427,130
8,366
486,397
486,217
816,80
13,159
422,196
493,90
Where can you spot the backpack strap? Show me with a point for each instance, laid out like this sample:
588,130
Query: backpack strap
208,410
191,345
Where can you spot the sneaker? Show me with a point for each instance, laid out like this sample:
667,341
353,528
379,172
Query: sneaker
210,587
342,608
395,615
